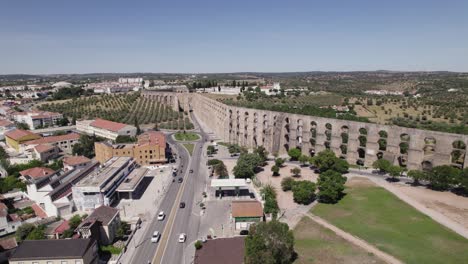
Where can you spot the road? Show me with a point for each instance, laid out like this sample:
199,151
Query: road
177,220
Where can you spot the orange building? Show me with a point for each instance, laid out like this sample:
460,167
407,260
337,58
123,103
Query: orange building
150,149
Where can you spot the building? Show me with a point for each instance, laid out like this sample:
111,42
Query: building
100,187
5,126
137,81
45,152
246,213
63,142
36,173
57,251
232,187
75,162
61,85
150,149
221,250
14,138
106,129
54,192
37,119
101,225
7,247
8,222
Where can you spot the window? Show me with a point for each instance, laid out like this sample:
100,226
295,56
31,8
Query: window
77,261
64,262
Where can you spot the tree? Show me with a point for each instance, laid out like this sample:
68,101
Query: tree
417,176
198,245
37,233
331,186
443,177
122,230
395,171
275,169
74,222
327,160
269,242
279,162
268,193
261,152
22,125
138,132
221,170
382,164
287,184
85,146
3,153
23,231
303,159
246,164
296,171
294,153
463,180
125,139
210,150
304,192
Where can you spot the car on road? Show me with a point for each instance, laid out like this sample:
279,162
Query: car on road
161,216
155,237
180,180
182,238
182,205
191,171
244,232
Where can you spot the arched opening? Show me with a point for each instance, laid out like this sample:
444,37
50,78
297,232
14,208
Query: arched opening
327,144
426,165
344,138
328,135
382,144
286,147
344,149
362,141
344,129
458,153
383,134
402,161
404,146
363,131
428,150
430,141
328,126
361,153
404,137
379,155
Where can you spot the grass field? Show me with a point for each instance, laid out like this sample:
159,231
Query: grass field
188,136
316,244
189,147
383,220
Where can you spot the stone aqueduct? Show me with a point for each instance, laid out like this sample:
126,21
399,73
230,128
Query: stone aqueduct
357,142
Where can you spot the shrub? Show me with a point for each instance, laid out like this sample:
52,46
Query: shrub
304,192
287,184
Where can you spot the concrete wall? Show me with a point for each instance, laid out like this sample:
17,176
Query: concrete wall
278,132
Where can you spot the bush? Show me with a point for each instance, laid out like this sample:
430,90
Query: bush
304,192
287,184
294,153
275,169
331,186
198,245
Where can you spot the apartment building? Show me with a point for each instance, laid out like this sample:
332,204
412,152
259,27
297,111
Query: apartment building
75,162
106,129
14,138
100,187
37,119
150,149
63,142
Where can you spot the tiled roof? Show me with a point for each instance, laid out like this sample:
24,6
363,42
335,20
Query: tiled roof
62,227
103,214
4,123
52,249
37,172
75,160
39,211
8,243
246,209
19,133
53,139
221,250
152,138
43,148
108,125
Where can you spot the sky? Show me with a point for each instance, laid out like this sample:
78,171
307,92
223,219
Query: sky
202,36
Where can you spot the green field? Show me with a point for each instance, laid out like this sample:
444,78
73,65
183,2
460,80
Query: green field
187,136
379,217
316,244
189,147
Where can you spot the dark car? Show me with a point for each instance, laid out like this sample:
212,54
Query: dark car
244,232
180,180
182,205
191,171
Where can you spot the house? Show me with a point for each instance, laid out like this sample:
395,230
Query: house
45,152
8,222
246,213
56,229
63,142
37,119
221,250
106,129
70,251
14,138
5,126
75,162
101,225
150,149
7,247
36,173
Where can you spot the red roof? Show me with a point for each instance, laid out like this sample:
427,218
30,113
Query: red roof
37,172
17,134
108,125
153,138
8,243
5,123
53,139
75,160
62,227
39,211
43,148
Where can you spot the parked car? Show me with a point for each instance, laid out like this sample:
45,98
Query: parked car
244,232
155,237
161,216
182,238
191,171
182,205
180,180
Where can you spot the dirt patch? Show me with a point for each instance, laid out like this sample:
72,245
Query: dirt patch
359,182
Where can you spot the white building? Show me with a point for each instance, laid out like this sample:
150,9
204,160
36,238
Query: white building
100,187
37,119
8,222
138,81
5,126
106,129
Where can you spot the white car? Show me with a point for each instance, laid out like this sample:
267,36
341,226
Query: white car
182,238
161,216
155,237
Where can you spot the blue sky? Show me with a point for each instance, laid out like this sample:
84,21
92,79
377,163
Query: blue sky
228,36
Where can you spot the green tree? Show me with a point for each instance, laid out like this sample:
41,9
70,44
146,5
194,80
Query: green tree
125,139
279,162
463,180
287,184
234,148
246,164
3,153
37,233
269,243
74,221
443,177
268,192
275,169
221,170
294,153
417,176
198,245
327,160
303,159
23,231
296,171
331,186
122,230
395,171
137,125
85,146
210,150
304,192
382,164
262,153
22,125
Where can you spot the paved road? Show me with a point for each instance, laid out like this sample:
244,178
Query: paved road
185,220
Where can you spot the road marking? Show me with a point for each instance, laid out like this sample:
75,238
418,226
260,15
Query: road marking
171,219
